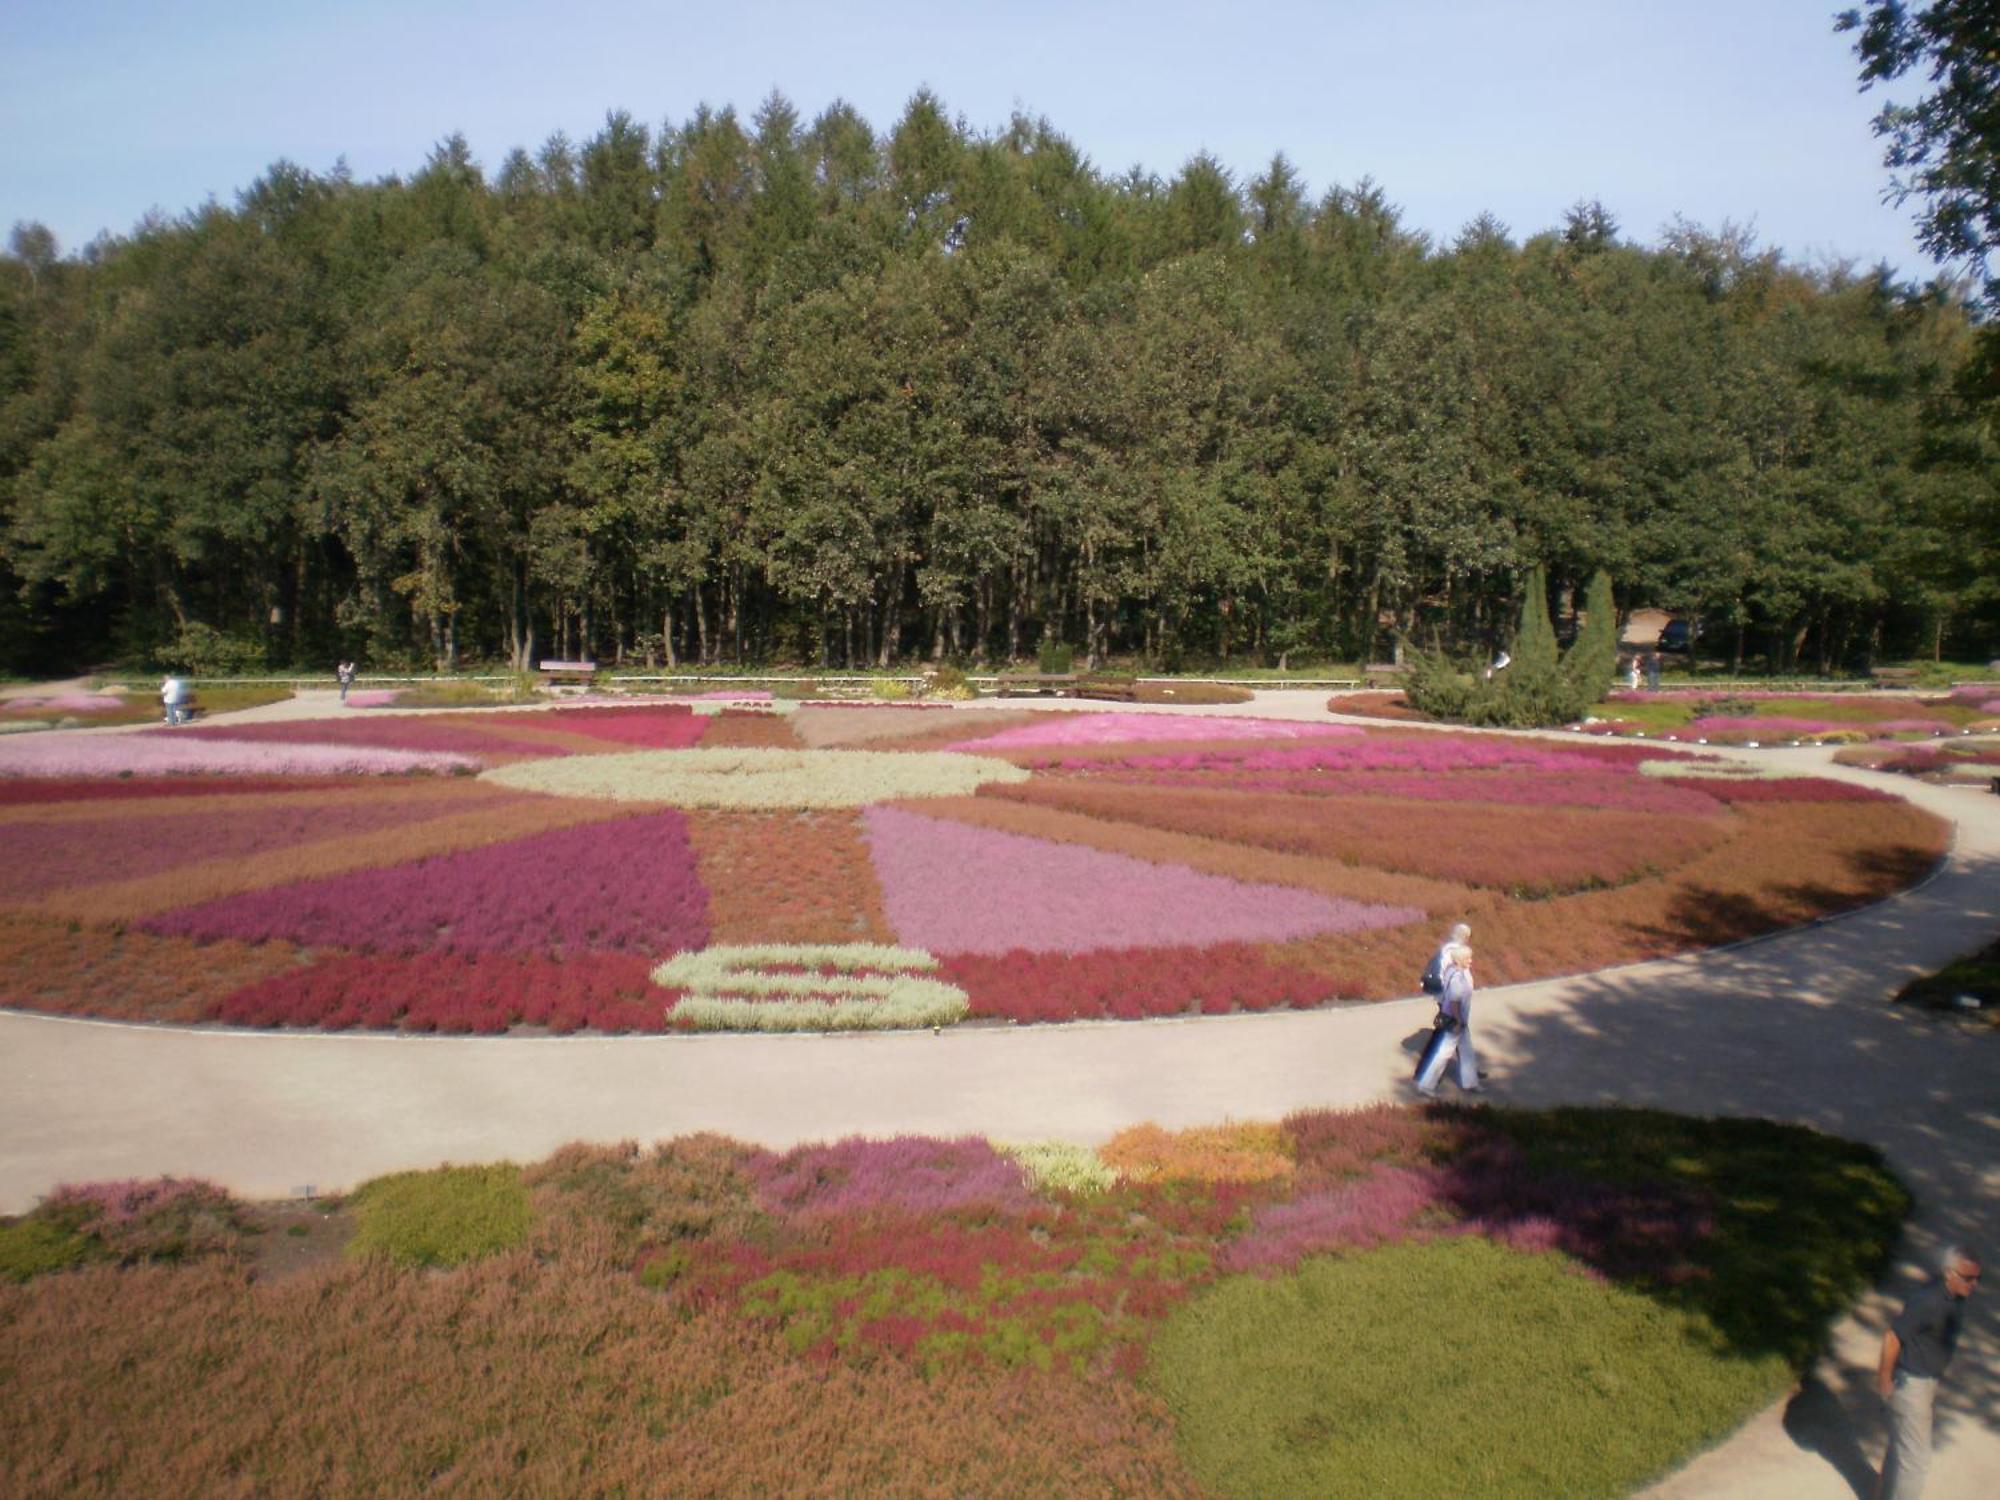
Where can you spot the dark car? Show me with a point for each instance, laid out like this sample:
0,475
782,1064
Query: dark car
1679,635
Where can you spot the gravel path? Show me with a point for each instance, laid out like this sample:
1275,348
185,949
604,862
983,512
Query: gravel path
1793,1027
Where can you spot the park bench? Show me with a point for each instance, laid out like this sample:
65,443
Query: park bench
1895,676
1110,688
1036,684
572,675
1384,674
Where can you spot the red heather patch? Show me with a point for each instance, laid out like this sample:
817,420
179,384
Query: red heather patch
23,791
628,886
1786,789
50,856
455,993
1131,983
660,726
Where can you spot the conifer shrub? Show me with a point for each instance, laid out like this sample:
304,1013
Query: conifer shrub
1539,686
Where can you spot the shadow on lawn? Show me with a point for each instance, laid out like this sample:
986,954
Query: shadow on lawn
1698,1036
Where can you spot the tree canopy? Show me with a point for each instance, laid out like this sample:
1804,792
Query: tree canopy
787,389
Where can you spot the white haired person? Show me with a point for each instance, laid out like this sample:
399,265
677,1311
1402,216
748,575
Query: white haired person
1452,1038
1915,1351
1433,980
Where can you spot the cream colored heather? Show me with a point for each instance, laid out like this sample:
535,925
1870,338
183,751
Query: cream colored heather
753,778
871,988
1716,770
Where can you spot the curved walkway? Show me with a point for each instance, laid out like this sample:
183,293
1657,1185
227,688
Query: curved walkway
1793,1027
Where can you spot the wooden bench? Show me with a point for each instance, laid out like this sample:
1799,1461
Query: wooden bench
572,675
1895,675
1035,684
1383,674
1111,689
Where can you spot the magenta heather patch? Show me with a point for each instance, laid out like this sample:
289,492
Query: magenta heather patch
51,856
953,888
917,1175
1118,729
628,886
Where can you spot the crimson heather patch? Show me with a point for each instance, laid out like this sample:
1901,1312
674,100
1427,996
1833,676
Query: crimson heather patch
628,886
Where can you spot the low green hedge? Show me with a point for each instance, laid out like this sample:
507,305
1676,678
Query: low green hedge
444,1217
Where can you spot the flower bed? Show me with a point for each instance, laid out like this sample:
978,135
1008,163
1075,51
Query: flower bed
940,1315
1127,729
1107,878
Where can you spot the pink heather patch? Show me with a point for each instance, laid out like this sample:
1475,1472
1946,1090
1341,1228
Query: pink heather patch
952,888
50,856
1430,755
1118,729
373,698
187,752
919,1175
65,703
455,734
1378,1208
625,887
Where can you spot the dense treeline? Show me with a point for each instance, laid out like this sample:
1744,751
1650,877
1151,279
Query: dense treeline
787,391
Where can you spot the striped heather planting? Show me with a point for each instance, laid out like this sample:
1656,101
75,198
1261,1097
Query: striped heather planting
180,752
627,886
955,889
785,987
1120,729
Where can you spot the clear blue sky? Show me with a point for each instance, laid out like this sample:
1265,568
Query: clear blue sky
1745,111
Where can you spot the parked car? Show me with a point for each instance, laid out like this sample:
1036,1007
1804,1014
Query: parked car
1679,635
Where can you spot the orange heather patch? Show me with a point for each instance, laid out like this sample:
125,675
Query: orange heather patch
1210,855
190,885
133,976
1480,844
749,731
1206,1153
788,877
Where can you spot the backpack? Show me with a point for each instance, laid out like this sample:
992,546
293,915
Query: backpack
1433,980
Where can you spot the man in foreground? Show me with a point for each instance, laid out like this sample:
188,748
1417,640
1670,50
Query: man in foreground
1915,1351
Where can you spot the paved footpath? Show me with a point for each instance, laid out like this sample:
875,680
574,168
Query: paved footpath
1793,1027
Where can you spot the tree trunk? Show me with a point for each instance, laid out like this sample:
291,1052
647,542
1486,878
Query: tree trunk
667,634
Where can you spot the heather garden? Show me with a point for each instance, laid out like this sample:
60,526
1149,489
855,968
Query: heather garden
825,866
1383,1302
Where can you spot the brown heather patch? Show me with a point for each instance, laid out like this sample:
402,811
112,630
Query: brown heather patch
926,729
732,730
512,1377
191,885
1544,848
420,794
1384,962
834,728
129,976
992,808
1377,706
788,877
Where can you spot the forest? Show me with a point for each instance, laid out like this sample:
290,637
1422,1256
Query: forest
769,390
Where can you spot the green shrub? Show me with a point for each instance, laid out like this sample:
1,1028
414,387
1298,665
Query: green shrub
202,651
1537,688
890,689
1382,1374
1592,659
1054,656
1976,975
949,682
444,1217
32,1246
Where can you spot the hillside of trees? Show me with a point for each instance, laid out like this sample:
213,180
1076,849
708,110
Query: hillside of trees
772,390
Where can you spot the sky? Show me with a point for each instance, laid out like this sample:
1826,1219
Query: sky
1748,112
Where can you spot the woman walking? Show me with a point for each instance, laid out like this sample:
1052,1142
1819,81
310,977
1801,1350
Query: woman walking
1452,1040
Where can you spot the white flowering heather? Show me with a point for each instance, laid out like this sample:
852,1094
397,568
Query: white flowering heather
810,987
1062,1166
753,778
